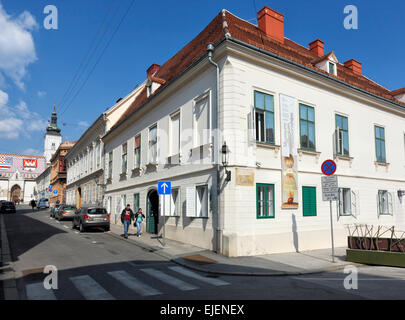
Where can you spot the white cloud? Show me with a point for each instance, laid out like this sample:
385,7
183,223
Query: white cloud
83,124
17,49
41,94
18,120
33,152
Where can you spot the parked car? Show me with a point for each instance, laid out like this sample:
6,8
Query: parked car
65,211
91,217
7,207
43,203
54,208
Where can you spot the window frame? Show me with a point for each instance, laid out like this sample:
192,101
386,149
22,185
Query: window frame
124,157
149,144
205,186
343,214
343,131
389,197
265,185
307,121
110,165
137,159
381,140
172,116
265,113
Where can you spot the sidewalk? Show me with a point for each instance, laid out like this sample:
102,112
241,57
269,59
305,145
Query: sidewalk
306,262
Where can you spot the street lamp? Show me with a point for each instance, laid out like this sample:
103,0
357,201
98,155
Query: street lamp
225,152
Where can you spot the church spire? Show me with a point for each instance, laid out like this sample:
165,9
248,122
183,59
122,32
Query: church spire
53,126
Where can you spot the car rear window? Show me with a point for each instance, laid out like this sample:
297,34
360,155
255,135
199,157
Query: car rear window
97,211
69,208
8,203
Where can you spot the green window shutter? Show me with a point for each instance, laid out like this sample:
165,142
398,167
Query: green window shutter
309,201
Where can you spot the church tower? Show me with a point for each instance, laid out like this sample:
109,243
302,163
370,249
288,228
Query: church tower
53,138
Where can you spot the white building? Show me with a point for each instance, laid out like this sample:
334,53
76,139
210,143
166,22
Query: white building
85,160
53,138
43,181
283,109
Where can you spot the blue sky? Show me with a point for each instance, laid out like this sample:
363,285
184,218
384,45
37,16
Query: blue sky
37,65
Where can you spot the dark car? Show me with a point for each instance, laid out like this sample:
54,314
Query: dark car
7,207
65,211
91,217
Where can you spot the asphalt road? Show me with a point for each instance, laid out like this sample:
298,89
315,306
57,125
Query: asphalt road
95,265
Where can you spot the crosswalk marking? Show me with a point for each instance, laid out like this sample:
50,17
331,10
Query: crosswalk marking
134,284
90,289
37,291
180,284
188,273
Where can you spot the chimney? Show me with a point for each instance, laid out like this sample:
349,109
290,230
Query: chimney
354,65
271,23
317,47
152,70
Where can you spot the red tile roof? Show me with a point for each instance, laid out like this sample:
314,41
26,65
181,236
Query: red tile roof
398,92
246,32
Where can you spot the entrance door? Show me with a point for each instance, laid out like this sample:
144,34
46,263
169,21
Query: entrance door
152,212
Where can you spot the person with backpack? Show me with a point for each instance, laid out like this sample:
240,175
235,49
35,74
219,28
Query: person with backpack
139,216
127,215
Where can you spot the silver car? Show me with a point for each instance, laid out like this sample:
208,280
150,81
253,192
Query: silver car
91,217
65,212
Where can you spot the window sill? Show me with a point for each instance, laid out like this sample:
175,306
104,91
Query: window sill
267,145
346,158
381,164
174,159
123,175
136,170
109,180
260,218
151,165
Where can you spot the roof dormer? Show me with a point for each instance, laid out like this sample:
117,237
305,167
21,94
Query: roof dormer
399,94
327,63
153,82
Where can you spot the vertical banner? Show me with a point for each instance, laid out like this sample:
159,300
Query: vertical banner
289,175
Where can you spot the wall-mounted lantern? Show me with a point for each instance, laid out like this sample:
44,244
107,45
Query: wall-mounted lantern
225,152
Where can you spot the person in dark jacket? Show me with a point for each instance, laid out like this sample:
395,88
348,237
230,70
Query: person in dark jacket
127,215
33,204
139,216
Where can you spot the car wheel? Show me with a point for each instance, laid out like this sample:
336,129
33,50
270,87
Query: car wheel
81,227
106,229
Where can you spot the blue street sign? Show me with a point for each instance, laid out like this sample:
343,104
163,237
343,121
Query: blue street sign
164,187
43,194
55,192
50,187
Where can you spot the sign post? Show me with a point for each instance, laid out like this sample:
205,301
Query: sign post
164,188
330,192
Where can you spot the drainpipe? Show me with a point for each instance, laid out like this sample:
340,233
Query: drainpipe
210,50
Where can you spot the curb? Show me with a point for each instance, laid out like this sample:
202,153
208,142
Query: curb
8,278
180,261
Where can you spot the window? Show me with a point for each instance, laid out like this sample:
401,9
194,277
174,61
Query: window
110,164
332,68
202,201
98,155
91,159
385,203
264,115
202,122
342,136
123,201
265,201
175,134
124,158
171,203
345,202
380,144
309,201
153,144
137,152
136,202
307,127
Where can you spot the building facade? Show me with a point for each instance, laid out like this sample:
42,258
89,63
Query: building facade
17,176
281,110
58,173
43,181
85,178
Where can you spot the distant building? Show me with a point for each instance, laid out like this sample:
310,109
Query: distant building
43,181
17,176
58,173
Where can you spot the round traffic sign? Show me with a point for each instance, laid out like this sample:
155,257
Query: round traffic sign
55,191
328,167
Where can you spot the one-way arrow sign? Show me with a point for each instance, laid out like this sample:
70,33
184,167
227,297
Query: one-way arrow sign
164,187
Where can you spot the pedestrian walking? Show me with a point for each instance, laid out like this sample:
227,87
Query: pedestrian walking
127,215
139,216
33,204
